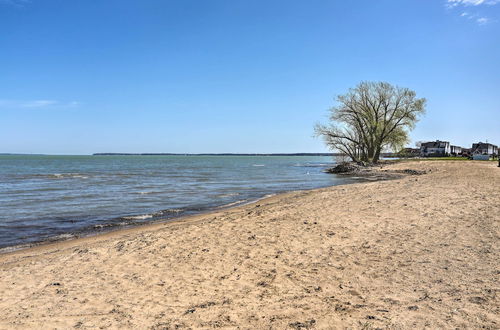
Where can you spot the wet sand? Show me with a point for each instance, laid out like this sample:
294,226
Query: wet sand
420,251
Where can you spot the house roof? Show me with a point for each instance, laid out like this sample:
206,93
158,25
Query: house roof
434,144
483,145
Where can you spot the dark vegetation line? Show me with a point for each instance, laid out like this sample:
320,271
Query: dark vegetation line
212,154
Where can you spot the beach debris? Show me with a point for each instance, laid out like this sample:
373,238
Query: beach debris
340,308
477,300
312,289
303,325
344,168
82,251
202,305
168,325
412,172
263,284
413,308
120,245
207,304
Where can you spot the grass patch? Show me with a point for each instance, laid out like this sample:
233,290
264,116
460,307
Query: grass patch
429,159
440,158
444,158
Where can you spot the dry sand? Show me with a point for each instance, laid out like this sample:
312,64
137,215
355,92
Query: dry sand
420,251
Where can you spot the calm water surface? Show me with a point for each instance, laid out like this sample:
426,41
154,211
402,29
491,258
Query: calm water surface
54,197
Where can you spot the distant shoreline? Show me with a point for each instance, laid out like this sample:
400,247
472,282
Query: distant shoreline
212,154
298,154
177,154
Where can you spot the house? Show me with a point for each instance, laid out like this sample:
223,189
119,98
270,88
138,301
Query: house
466,152
482,148
455,150
435,149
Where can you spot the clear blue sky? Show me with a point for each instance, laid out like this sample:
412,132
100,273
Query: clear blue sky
85,76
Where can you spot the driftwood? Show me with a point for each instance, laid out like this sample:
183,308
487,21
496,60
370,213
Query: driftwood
371,170
344,168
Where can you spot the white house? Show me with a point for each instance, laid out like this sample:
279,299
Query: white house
482,148
435,148
455,150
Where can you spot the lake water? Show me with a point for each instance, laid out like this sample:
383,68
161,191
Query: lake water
54,197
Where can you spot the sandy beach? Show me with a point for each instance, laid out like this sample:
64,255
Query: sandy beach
421,251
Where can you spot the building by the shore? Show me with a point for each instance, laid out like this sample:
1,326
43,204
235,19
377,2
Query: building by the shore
435,149
455,151
484,148
484,151
466,152
438,148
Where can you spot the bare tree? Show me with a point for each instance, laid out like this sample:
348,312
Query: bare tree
371,117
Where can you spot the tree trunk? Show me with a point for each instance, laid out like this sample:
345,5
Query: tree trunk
376,157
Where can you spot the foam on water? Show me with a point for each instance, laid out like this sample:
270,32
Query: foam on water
138,217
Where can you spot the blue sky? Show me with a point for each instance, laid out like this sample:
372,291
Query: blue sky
85,76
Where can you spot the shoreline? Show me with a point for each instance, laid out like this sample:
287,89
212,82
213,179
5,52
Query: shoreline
369,175
116,231
420,251
71,196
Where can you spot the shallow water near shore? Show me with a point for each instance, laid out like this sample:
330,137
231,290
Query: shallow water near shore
59,197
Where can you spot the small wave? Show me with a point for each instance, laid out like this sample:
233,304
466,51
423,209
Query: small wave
232,204
268,195
107,225
157,214
228,195
167,211
53,176
258,165
139,217
147,192
67,176
13,248
63,237
313,165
